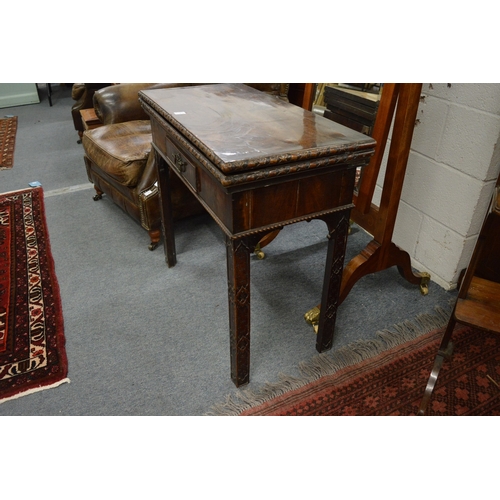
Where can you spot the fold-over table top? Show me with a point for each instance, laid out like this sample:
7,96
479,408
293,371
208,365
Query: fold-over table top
241,129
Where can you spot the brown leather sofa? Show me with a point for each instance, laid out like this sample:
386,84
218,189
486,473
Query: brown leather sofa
120,161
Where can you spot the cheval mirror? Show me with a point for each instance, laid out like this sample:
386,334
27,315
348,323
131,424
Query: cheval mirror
372,109
398,105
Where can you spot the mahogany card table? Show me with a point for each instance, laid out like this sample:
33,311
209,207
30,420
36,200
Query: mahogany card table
257,164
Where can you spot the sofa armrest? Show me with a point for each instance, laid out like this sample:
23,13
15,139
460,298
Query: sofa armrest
120,103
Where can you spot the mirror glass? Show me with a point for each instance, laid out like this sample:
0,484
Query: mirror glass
351,104
354,105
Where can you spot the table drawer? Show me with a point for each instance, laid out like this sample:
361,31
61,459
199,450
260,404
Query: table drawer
181,163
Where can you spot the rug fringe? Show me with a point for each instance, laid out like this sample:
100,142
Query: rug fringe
36,389
330,362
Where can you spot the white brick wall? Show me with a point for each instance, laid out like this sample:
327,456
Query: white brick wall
453,165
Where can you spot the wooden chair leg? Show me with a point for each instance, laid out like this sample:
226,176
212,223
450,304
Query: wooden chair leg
445,351
98,194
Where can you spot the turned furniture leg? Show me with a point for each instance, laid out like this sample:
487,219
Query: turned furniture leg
338,228
238,279
163,175
155,235
98,195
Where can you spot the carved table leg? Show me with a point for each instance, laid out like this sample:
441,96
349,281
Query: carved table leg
338,228
163,176
238,278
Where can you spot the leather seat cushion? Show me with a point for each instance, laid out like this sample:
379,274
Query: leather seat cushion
121,149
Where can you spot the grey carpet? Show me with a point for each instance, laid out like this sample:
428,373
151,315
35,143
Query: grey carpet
143,339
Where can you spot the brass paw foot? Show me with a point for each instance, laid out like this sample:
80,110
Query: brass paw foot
258,252
312,318
97,197
424,283
152,246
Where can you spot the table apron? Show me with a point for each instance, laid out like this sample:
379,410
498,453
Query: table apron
263,208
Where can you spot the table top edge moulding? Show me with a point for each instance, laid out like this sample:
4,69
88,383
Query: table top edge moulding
316,144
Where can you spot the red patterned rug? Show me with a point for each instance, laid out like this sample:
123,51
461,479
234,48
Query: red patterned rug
8,129
32,344
393,383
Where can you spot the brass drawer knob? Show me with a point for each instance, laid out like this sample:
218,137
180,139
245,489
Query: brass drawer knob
179,163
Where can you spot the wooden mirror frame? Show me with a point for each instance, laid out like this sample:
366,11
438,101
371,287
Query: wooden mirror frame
399,103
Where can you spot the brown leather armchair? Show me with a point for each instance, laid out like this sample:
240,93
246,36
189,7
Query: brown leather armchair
120,160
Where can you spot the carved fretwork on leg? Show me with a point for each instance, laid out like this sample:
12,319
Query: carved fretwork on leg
338,228
238,277
166,209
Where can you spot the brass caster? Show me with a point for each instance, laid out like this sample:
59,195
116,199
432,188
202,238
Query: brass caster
312,318
97,197
259,253
424,283
152,246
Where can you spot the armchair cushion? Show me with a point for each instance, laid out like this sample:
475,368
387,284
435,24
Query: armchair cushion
121,150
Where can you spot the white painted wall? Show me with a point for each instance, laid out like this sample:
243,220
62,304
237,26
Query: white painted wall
17,94
452,169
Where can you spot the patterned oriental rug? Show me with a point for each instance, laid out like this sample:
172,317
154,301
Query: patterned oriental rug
392,383
32,344
8,129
